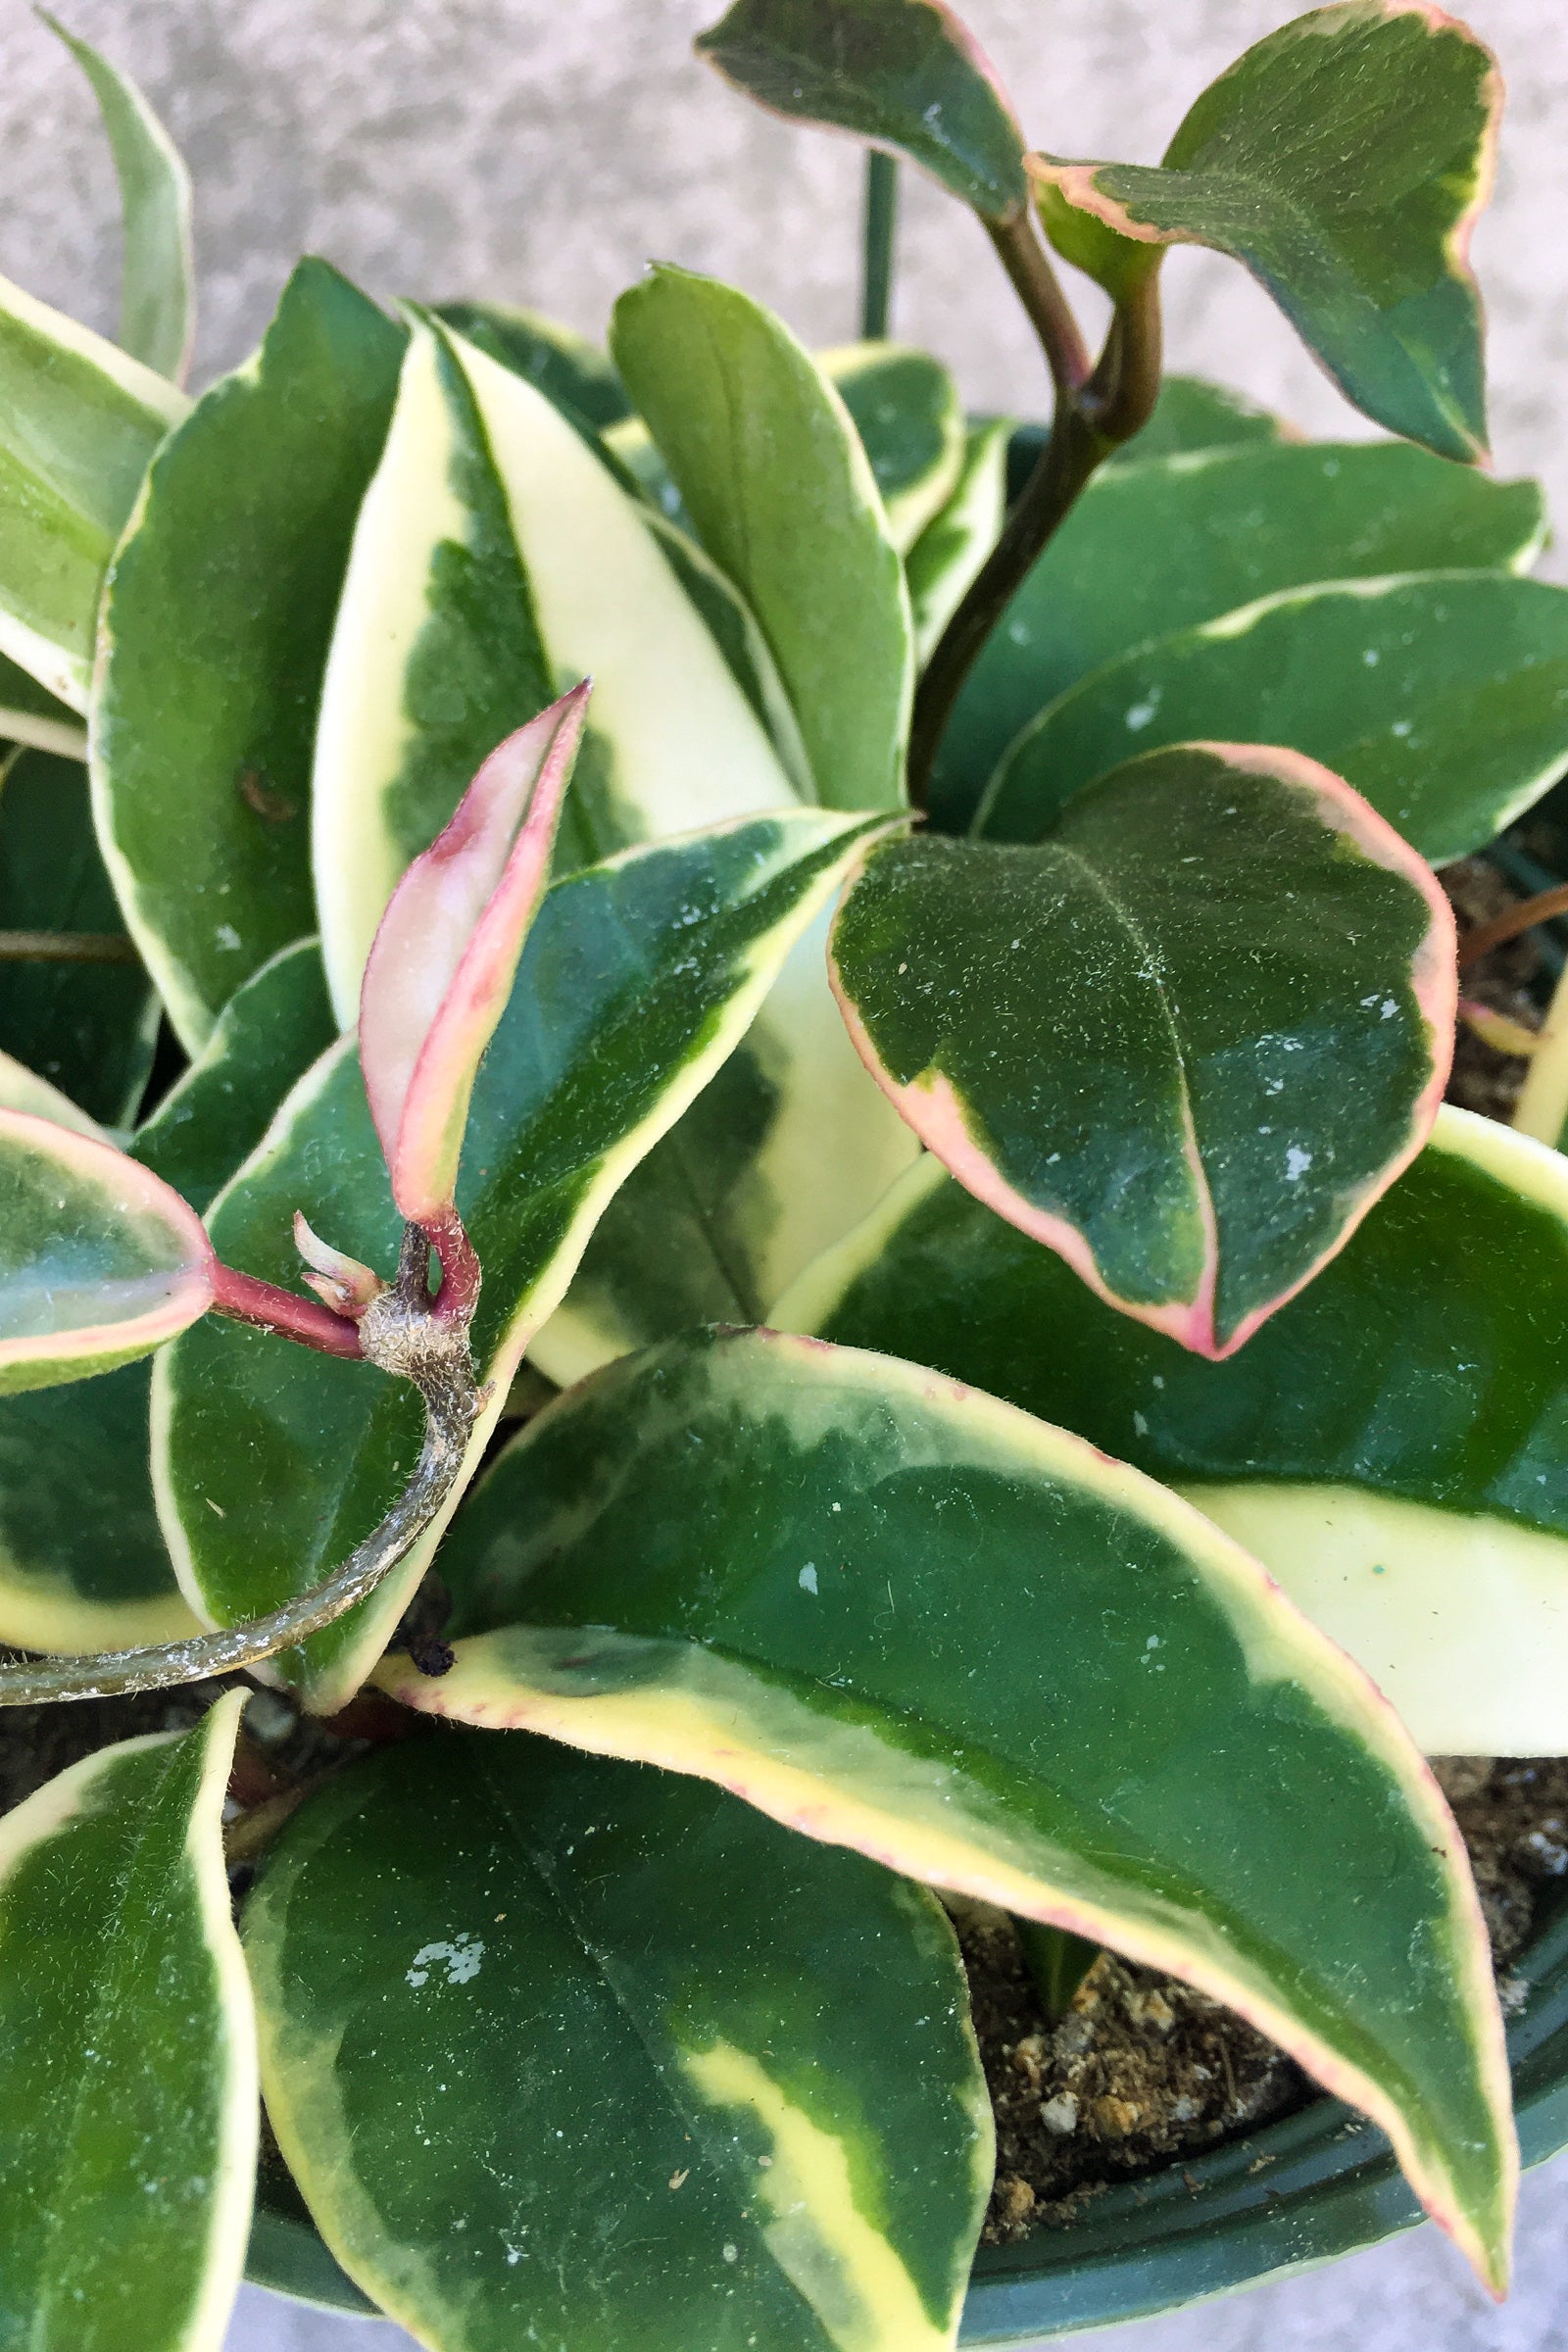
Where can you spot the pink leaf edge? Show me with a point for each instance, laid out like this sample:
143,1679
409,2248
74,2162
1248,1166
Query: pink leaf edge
446,952
933,1107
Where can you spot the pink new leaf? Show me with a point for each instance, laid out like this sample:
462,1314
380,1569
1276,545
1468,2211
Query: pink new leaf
444,958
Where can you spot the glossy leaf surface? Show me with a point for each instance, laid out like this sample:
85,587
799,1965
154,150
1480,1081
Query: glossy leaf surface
1192,413
216,626
1393,1445
565,365
82,1562
1155,548
268,1034
158,289
88,1028
1342,159
956,542
495,562
1194,1130
127,2056
783,497
905,406
637,979
904,73
1442,700
787,1149
493,1982
79,422
758,1560
445,954
99,1261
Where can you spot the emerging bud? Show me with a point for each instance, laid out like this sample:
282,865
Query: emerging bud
345,1286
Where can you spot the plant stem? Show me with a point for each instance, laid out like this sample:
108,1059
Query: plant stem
1096,410
1511,922
67,947
267,1306
403,1334
881,220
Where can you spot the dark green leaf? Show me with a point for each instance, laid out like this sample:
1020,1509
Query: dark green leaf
904,73
88,1028
1393,1445
1186,1040
949,550
128,2057
904,1617
1153,549
783,497
637,979
1443,698
493,1982
268,1034
215,635
1344,160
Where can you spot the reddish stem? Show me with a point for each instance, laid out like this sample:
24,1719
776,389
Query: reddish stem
459,1287
269,1308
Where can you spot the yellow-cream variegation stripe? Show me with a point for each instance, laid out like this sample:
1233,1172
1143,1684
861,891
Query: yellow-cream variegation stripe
688,749
944,560
66,670
689,1709
1459,1617
1543,1106
42,1818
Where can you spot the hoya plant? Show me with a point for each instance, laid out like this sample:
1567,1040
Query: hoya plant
727,1208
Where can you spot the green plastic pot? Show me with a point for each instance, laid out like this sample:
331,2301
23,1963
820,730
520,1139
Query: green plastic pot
1296,2194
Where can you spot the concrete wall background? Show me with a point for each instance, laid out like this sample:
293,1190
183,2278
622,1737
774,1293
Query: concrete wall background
540,153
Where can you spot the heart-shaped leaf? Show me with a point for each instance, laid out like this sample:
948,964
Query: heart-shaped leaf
638,977
99,1261
446,951
905,1617
905,408
1442,699
904,73
127,2053
949,550
158,287
563,366
783,497
216,630
1153,549
89,1028
1187,1040
1342,159
492,547
1393,1445
772,2104
79,422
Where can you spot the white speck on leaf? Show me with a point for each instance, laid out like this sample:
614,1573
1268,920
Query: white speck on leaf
1140,1425
1296,1162
807,1578
462,1958
1140,715
228,939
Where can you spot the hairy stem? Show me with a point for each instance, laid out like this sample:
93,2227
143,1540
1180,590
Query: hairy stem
1096,410
403,1334
67,947
269,1308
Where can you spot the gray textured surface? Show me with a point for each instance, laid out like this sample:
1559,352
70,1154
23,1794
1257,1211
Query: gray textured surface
540,154
1412,2295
